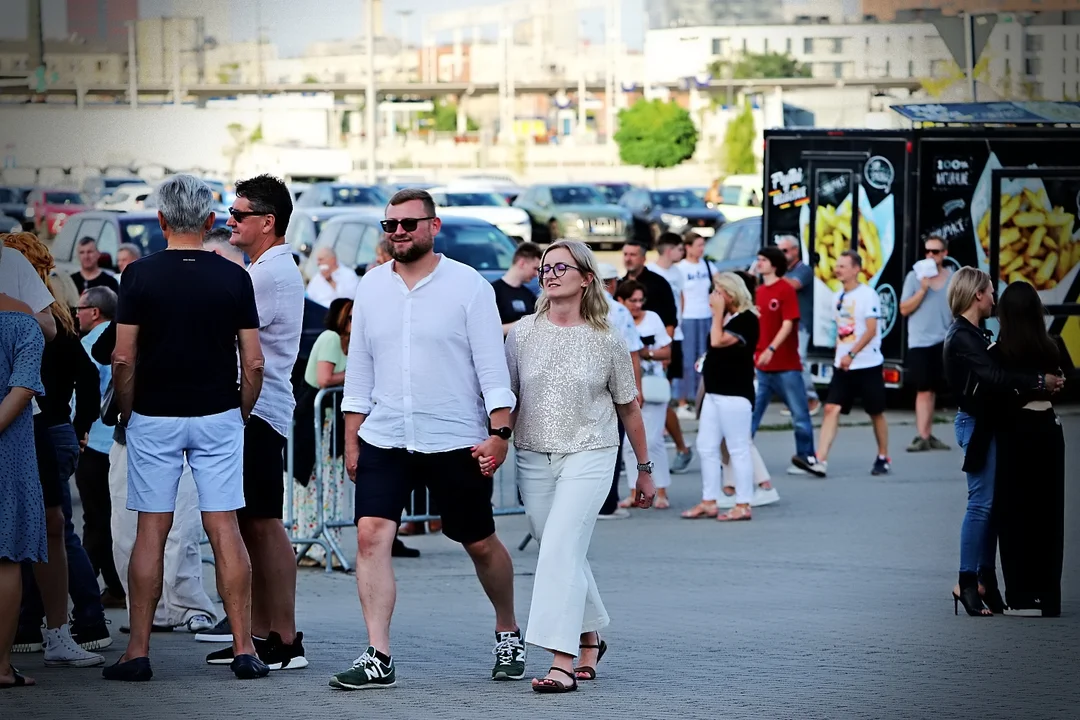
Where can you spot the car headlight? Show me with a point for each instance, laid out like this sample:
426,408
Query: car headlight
28,212
674,221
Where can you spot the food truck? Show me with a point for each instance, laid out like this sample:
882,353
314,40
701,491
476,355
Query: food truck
999,181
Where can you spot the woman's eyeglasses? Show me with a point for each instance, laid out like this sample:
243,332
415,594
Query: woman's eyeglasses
407,224
557,270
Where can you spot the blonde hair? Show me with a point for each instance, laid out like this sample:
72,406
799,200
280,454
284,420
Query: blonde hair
734,286
39,256
594,306
966,283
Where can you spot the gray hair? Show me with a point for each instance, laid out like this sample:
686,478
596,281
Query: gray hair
131,248
104,299
185,202
215,242
218,235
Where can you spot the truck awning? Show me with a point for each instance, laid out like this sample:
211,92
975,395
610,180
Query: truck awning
996,113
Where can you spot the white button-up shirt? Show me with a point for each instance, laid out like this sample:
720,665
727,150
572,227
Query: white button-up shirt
279,297
427,365
322,292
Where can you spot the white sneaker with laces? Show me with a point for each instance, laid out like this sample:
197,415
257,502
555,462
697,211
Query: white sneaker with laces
62,651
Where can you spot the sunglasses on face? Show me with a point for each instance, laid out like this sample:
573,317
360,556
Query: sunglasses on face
407,224
934,251
241,215
557,270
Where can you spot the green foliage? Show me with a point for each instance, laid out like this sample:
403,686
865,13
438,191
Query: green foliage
739,139
310,79
444,118
756,66
655,134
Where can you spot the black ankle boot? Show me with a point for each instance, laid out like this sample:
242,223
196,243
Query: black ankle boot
969,596
991,595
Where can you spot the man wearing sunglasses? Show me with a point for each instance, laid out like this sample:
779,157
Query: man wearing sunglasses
924,302
427,402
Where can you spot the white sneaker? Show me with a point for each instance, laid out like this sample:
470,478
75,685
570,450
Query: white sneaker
683,412
199,623
792,470
62,651
764,497
784,412
619,514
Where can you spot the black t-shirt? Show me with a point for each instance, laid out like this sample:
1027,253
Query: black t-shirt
514,303
730,370
658,296
102,280
189,306
66,369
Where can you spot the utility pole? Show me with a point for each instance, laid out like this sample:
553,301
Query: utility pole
369,96
969,54
133,74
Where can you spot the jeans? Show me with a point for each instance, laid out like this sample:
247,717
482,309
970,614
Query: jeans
788,385
82,580
695,343
807,378
978,541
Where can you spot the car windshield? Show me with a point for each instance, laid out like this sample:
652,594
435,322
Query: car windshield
676,199
478,247
110,183
729,194
613,193
64,198
574,195
473,199
349,195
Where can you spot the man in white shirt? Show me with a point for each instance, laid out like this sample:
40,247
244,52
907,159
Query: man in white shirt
857,368
259,217
427,402
333,281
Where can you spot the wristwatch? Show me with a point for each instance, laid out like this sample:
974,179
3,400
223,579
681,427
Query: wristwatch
501,432
851,355
645,467
771,349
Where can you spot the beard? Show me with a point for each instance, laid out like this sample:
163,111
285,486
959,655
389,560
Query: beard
418,248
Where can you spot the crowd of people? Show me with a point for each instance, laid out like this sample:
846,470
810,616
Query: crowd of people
441,371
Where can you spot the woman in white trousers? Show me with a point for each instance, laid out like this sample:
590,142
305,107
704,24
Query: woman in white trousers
571,373
727,408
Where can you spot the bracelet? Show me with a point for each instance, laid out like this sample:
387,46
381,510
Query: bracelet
771,349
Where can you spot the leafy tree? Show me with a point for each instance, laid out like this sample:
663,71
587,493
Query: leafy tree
655,134
757,66
444,118
739,158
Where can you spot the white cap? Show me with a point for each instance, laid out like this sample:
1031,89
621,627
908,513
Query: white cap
607,271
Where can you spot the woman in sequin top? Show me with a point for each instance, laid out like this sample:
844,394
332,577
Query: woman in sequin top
571,374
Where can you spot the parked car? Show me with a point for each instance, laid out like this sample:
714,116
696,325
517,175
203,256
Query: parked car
126,197
95,188
741,196
306,224
614,191
735,246
500,184
10,224
110,230
328,194
476,243
486,205
576,212
13,203
51,207
677,211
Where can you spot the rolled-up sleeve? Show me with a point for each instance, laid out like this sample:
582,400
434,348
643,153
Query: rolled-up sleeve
359,368
484,329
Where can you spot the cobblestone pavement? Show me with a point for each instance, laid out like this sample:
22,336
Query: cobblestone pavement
833,603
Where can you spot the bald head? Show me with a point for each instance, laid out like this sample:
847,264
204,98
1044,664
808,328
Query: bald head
327,261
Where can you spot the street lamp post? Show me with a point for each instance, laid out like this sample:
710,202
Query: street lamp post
369,95
133,75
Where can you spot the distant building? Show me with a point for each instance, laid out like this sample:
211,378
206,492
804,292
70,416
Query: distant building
73,62
102,22
693,13
887,10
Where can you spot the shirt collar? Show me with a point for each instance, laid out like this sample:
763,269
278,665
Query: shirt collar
273,253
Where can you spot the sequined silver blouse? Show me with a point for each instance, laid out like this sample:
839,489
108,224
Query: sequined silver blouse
567,381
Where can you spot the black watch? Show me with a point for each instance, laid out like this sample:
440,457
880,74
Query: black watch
645,467
501,432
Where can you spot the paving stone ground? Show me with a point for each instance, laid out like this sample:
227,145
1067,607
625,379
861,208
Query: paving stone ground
833,603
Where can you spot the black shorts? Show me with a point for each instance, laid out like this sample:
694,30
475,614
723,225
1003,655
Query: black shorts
385,477
867,384
264,470
926,368
674,368
48,467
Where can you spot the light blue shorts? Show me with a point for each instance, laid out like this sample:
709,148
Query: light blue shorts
214,447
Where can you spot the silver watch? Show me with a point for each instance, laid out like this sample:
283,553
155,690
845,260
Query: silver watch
645,467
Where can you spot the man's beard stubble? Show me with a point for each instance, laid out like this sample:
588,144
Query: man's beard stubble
415,250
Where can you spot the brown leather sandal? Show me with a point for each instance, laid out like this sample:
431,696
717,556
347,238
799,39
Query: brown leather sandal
701,510
590,672
547,685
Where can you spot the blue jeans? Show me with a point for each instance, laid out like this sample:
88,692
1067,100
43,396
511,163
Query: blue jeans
978,541
695,343
82,581
788,384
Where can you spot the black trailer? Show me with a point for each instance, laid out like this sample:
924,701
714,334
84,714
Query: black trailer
882,192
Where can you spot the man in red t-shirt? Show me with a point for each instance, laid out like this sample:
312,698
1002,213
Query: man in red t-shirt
779,367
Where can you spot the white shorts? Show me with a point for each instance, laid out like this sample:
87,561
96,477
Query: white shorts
214,447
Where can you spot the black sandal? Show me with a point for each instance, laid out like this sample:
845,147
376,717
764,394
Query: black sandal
547,685
18,682
591,671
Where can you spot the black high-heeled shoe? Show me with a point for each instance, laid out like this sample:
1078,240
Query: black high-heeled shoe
969,597
991,596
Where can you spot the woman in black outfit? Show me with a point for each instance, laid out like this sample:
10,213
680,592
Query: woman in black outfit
1031,461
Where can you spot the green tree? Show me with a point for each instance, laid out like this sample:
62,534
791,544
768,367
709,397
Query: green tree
739,158
444,118
757,66
655,134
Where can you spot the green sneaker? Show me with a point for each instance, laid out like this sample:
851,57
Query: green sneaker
509,655
367,672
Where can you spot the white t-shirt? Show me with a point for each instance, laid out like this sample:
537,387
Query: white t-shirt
852,310
674,277
695,291
651,326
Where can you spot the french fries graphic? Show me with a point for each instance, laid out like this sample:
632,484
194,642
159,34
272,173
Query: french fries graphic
832,236
1038,245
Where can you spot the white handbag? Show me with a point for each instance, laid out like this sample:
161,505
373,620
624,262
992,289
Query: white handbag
655,389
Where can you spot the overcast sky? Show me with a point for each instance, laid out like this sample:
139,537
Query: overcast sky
293,24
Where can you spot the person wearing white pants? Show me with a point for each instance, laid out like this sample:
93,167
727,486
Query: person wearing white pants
571,373
727,408
184,602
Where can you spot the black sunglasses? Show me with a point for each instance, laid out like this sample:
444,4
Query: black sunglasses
241,215
931,251
557,270
407,224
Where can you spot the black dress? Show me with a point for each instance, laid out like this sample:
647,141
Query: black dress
1029,498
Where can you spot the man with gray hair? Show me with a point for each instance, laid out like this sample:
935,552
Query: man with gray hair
126,254
217,242
181,309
